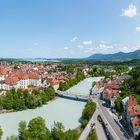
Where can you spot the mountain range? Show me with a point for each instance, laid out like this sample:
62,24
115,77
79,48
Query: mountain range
120,56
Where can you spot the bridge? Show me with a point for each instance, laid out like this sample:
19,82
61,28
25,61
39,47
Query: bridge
71,95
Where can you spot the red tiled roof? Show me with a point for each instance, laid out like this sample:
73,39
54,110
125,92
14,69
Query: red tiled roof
136,122
53,81
134,110
33,75
11,80
3,71
132,101
97,84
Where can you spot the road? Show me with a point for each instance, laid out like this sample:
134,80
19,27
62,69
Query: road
114,128
99,129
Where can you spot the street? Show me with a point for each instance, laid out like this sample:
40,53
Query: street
99,129
113,126
117,132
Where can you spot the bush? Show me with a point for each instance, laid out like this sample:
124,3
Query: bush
84,123
87,113
21,99
118,104
93,135
71,82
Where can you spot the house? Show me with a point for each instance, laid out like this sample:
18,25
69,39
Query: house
95,89
34,79
131,114
110,95
24,81
3,74
10,82
52,81
17,79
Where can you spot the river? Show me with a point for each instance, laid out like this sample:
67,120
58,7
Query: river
59,110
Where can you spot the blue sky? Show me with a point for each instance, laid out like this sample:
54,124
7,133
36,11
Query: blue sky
68,28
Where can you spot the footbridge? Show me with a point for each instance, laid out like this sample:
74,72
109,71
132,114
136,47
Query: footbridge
71,95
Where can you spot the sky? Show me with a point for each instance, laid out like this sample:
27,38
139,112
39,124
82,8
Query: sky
68,28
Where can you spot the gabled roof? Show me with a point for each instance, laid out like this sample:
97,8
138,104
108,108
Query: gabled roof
33,75
3,71
134,110
11,80
132,101
136,122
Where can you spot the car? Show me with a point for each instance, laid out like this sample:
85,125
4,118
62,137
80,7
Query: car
99,118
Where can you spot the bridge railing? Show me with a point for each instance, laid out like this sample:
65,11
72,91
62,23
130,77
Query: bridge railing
71,94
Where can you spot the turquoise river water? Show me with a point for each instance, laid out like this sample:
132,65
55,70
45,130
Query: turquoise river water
59,110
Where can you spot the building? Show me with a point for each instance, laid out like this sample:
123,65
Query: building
110,95
17,79
3,74
131,114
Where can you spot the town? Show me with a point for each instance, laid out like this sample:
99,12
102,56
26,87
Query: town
69,70
107,93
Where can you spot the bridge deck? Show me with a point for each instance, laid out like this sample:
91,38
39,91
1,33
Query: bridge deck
71,95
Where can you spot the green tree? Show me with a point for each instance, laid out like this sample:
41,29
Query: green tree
71,135
38,130
87,113
44,98
21,130
72,81
69,69
93,135
1,132
1,103
18,102
50,92
33,101
57,132
84,123
120,69
118,104
12,138
8,101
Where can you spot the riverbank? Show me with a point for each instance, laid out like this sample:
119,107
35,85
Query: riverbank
22,99
54,111
11,111
61,110
71,81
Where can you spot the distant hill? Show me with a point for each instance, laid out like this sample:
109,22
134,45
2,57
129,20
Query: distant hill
120,56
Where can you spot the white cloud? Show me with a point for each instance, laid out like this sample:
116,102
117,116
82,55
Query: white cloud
138,29
80,47
125,49
130,12
66,48
105,48
129,48
88,42
89,50
101,48
74,39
